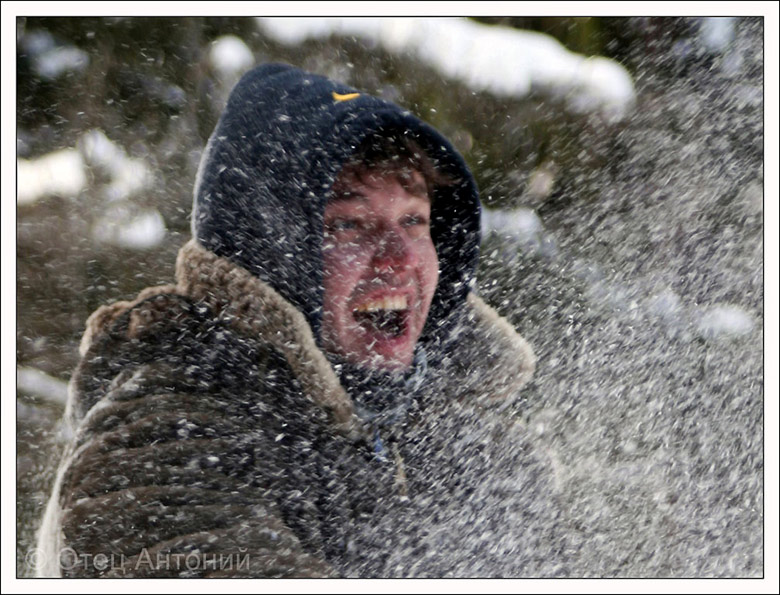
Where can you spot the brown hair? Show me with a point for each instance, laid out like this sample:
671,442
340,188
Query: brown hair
399,156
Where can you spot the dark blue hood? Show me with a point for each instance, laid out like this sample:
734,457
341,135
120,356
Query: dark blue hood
266,173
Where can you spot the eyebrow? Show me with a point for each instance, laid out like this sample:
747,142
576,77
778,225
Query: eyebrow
419,191
345,196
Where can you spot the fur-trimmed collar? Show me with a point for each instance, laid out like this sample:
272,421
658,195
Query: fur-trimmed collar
489,361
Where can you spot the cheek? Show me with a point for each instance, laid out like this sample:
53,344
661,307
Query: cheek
340,258
340,274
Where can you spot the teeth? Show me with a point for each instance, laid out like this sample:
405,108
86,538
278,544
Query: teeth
389,303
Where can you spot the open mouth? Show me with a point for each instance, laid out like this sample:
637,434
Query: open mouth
389,316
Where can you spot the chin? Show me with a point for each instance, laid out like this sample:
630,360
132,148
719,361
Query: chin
395,362
394,365
371,359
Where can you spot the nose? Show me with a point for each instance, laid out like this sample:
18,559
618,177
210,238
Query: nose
394,249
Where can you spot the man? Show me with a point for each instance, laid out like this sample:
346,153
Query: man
320,394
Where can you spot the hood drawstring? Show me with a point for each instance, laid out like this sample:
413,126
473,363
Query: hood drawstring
380,453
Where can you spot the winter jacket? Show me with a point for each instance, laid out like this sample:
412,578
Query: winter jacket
213,437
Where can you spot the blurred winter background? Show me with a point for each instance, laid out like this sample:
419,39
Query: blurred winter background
621,166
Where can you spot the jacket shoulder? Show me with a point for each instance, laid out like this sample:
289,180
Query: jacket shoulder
161,341
176,417
487,361
101,319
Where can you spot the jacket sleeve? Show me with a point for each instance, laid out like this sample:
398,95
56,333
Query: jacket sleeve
166,479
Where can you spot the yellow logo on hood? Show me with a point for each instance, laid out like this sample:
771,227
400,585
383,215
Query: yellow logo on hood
347,97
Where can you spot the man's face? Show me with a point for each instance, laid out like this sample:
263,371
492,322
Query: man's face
380,268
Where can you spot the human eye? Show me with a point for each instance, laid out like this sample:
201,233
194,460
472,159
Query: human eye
342,224
414,219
